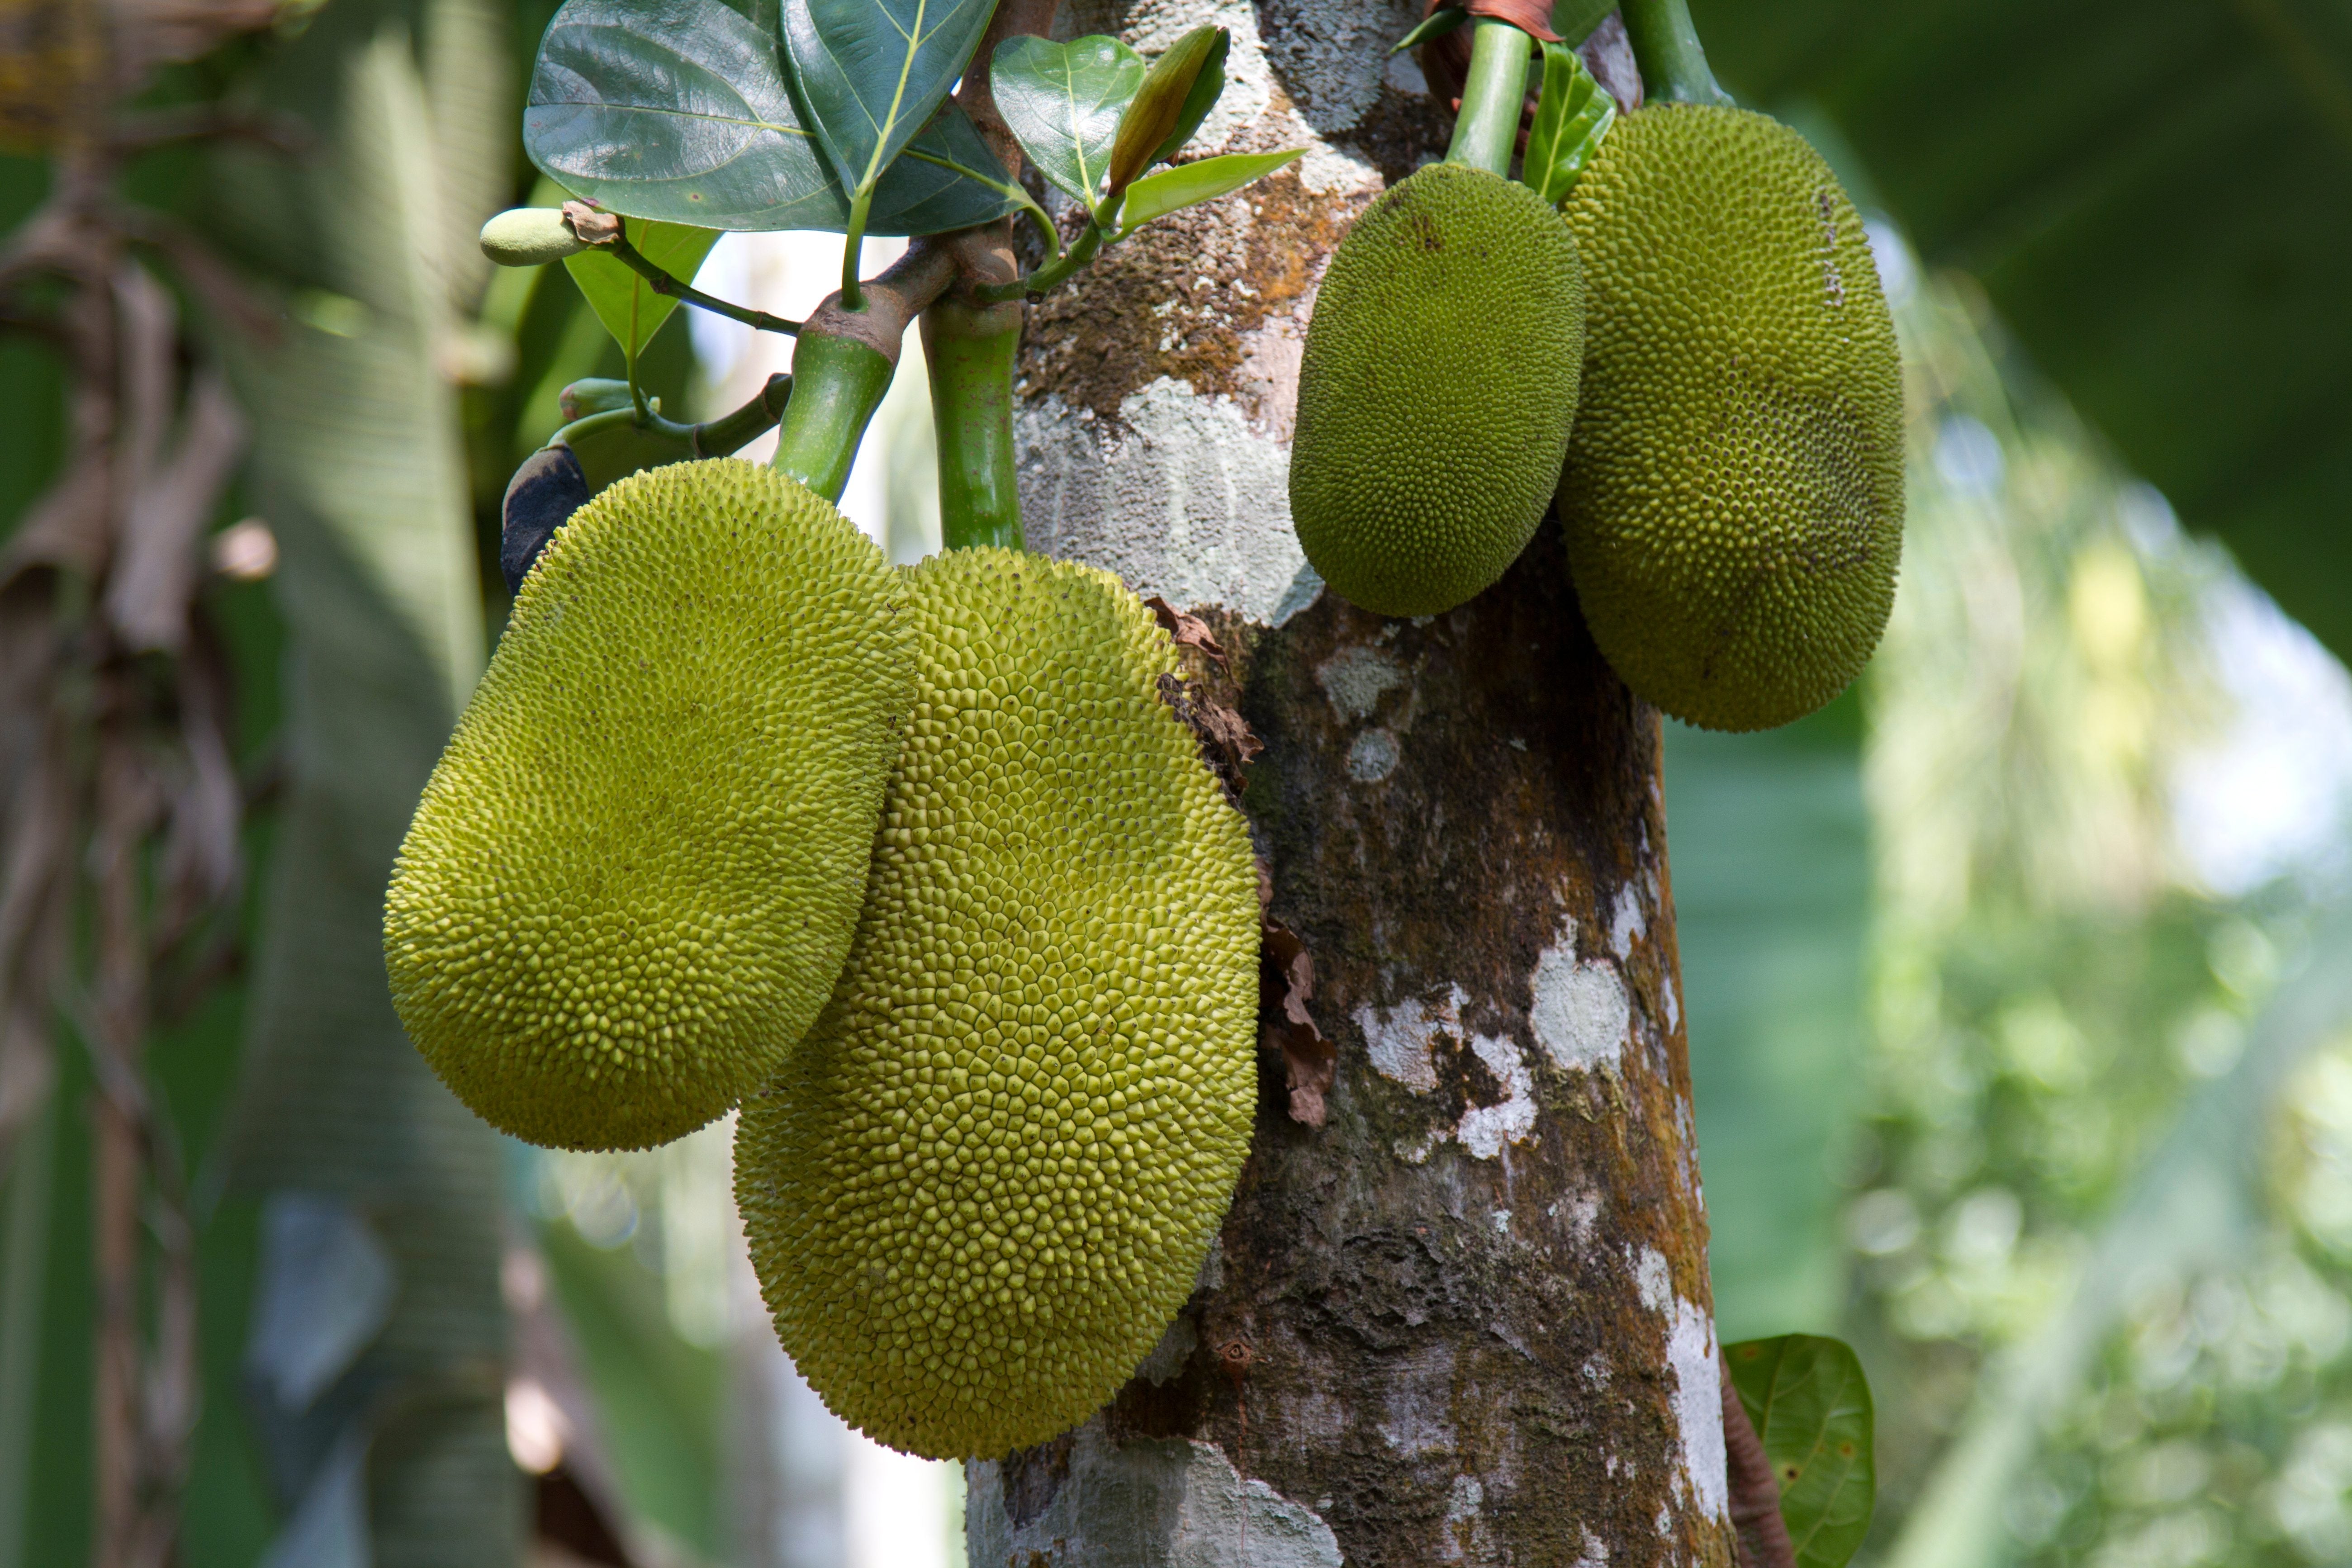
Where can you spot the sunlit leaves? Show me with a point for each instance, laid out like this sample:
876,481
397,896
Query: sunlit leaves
872,72
1064,102
1187,184
623,300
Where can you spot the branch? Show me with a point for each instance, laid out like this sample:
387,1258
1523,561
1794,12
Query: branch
606,231
1754,1490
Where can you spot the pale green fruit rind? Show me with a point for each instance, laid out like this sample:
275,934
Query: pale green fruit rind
979,1191
635,870
528,236
1733,499
1437,390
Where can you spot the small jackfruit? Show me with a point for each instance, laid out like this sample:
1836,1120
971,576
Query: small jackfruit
635,871
1436,391
528,236
1733,499
983,1186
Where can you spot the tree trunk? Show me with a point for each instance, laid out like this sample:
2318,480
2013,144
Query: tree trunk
1466,1318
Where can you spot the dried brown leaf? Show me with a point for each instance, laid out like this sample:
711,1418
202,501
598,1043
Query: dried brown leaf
156,558
590,227
1227,745
1286,984
1187,631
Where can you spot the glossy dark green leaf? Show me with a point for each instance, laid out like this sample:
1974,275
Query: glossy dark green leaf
1064,102
1436,25
622,297
2154,195
675,109
1807,1399
1160,105
678,110
1189,184
1208,86
871,73
1573,113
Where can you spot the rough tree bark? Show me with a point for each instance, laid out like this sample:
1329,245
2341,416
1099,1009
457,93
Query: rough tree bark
1466,1318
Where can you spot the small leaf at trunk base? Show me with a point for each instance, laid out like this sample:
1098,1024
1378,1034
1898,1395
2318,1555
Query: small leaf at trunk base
1159,104
1187,184
623,300
1571,116
1064,103
1807,1399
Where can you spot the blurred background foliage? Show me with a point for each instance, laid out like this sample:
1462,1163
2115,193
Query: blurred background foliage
2016,980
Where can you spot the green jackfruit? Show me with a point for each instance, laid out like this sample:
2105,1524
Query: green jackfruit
1436,391
1733,499
981,1189
635,872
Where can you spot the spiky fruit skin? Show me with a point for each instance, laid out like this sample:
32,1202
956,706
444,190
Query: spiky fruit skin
637,868
1733,499
981,1189
1437,390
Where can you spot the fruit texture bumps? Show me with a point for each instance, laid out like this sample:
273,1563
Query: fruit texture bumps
1733,499
1436,391
637,868
981,1188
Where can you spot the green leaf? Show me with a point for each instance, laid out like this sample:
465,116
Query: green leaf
1806,1397
623,300
1064,102
1436,25
678,110
871,72
1189,184
1160,105
1207,88
1572,115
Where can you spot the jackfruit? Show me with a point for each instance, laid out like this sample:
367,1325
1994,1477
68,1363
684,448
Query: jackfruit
1733,499
1437,390
637,868
981,1189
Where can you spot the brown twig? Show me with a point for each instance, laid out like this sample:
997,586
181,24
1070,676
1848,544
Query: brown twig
1763,1535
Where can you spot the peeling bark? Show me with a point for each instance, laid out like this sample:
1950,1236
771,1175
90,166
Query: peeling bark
1466,1318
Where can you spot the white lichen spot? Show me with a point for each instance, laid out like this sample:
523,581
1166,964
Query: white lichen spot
1356,678
1626,924
1596,1551
1672,991
1465,1538
1189,501
1484,1129
1581,1012
1373,756
1698,1385
1596,1373
1398,1039
1501,1220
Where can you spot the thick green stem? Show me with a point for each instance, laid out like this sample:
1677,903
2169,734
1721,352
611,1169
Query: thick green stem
733,432
630,256
1493,99
1666,48
838,383
969,352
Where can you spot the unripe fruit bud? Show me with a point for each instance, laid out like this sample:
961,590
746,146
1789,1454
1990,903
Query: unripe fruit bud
528,236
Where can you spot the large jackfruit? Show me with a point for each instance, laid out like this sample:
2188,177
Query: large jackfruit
981,1189
635,870
1733,499
1436,391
